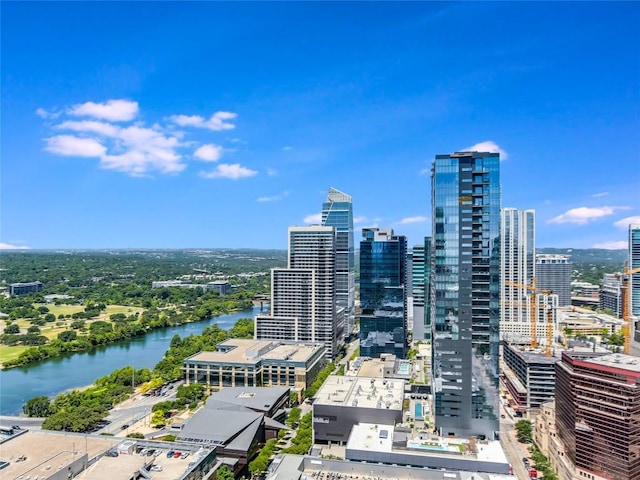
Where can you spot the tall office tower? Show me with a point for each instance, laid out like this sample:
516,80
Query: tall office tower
610,295
420,288
597,412
517,266
465,190
553,272
383,288
634,262
337,211
303,306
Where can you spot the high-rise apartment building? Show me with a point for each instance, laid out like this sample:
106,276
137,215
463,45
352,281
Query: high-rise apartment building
610,294
553,272
303,305
634,262
337,212
598,414
383,289
466,292
420,289
517,266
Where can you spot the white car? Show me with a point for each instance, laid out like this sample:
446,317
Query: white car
156,468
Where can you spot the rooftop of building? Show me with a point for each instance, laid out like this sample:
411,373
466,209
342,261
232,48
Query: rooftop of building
361,392
255,398
533,356
381,438
251,351
40,454
231,425
296,467
617,360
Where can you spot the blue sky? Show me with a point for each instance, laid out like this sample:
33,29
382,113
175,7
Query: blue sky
207,124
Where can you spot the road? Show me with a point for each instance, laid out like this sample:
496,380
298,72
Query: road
22,422
514,450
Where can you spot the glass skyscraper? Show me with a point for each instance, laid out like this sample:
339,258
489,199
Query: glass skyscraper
383,299
634,262
465,293
337,212
420,289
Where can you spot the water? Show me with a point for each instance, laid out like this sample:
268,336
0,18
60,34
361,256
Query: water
54,376
418,411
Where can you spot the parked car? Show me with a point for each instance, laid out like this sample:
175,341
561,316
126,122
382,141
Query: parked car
184,455
170,453
177,454
111,453
156,468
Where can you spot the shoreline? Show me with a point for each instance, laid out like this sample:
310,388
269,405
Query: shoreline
72,352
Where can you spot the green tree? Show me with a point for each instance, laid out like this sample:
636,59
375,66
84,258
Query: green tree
223,473
67,336
37,407
524,430
12,329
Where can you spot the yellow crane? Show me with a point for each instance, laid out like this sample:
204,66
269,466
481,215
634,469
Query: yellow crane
625,291
533,312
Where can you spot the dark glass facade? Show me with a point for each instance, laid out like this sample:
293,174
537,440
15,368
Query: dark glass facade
465,292
337,212
383,274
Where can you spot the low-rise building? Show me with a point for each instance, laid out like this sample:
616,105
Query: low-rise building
343,402
298,467
578,321
379,443
48,455
26,287
528,376
221,286
256,363
611,293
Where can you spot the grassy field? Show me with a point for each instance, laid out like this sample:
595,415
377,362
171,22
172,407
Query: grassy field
9,353
51,330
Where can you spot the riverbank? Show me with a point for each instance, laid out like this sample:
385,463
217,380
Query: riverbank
106,333
53,376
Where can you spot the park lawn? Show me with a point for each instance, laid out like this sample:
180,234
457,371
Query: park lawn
61,309
111,309
10,353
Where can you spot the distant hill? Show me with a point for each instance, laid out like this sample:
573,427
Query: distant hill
590,264
590,255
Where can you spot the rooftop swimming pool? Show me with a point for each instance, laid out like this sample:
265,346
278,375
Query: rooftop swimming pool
403,368
418,411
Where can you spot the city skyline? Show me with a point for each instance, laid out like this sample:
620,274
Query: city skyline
205,122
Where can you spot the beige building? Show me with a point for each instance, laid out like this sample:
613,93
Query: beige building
256,363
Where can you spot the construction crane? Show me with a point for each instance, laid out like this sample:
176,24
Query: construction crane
533,311
626,306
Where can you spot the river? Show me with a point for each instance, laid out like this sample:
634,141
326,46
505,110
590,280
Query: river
75,370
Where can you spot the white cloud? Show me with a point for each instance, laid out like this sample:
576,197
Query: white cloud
71,146
8,246
271,172
416,219
232,171
612,245
425,171
42,113
274,198
209,152
90,126
487,146
132,147
313,219
360,220
111,110
583,215
287,148
600,194
216,122
625,222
